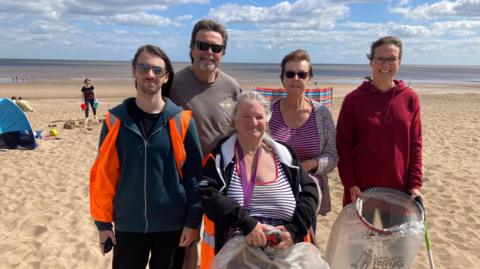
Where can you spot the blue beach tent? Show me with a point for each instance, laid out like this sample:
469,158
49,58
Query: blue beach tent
15,130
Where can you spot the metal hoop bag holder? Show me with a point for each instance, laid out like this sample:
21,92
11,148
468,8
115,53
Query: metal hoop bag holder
385,229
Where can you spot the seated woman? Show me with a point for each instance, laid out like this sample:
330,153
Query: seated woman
250,181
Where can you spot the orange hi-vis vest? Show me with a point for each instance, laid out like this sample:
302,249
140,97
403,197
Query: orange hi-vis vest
208,240
105,172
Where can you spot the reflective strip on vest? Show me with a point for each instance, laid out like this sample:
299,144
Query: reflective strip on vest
208,244
178,129
110,120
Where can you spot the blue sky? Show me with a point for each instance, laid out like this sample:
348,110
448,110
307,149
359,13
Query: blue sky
434,32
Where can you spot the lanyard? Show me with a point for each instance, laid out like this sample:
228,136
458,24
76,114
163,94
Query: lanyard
247,186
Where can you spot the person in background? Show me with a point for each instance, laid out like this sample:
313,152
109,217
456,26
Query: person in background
207,91
144,180
88,95
24,105
251,181
304,124
379,130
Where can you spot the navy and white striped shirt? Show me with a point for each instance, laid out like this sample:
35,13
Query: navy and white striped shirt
272,202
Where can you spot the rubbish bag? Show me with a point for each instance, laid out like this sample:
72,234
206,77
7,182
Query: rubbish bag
383,230
237,254
96,103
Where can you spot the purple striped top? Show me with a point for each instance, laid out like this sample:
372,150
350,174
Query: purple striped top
303,140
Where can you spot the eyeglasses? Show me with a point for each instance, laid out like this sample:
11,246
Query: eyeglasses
203,46
145,68
389,60
292,74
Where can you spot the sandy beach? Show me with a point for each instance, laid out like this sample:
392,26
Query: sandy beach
44,193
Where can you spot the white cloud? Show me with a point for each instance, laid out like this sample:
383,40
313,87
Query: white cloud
392,28
71,9
456,25
443,8
142,19
320,14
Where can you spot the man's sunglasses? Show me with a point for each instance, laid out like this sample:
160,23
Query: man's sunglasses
203,46
145,68
292,74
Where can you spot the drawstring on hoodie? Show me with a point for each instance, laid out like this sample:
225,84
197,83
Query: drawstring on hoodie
389,103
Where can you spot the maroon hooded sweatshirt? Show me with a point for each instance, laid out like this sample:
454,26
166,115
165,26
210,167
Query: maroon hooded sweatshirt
379,139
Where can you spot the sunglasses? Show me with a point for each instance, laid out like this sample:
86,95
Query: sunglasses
145,68
203,46
382,60
292,74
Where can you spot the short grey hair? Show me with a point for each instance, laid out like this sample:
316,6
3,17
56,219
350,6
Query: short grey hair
250,96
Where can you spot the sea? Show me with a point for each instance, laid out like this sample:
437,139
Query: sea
24,70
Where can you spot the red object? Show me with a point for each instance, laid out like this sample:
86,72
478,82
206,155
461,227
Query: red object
273,238
83,106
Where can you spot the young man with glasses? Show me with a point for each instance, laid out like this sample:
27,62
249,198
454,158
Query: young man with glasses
138,181
207,91
379,130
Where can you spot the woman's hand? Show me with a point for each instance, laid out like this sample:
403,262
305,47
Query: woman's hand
257,237
103,236
414,193
188,236
309,165
286,238
355,192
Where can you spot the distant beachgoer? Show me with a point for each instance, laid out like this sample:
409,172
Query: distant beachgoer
144,180
23,104
304,124
88,94
379,130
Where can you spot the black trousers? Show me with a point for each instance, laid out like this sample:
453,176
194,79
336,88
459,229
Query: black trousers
89,103
133,249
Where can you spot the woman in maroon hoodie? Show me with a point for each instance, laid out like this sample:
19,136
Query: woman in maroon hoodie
379,131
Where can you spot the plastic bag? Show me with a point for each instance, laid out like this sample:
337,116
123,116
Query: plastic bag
237,254
96,103
384,230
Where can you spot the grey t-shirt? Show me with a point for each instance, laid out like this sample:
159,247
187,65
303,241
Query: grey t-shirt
211,104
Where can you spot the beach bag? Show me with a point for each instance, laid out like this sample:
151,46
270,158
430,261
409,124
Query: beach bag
383,230
237,254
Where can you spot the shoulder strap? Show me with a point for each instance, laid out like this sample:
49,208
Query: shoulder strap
105,175
110,120
178,126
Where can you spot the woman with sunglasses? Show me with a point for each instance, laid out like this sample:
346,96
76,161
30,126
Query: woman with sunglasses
304,124
379,133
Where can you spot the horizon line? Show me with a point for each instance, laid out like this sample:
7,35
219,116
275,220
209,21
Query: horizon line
223,62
